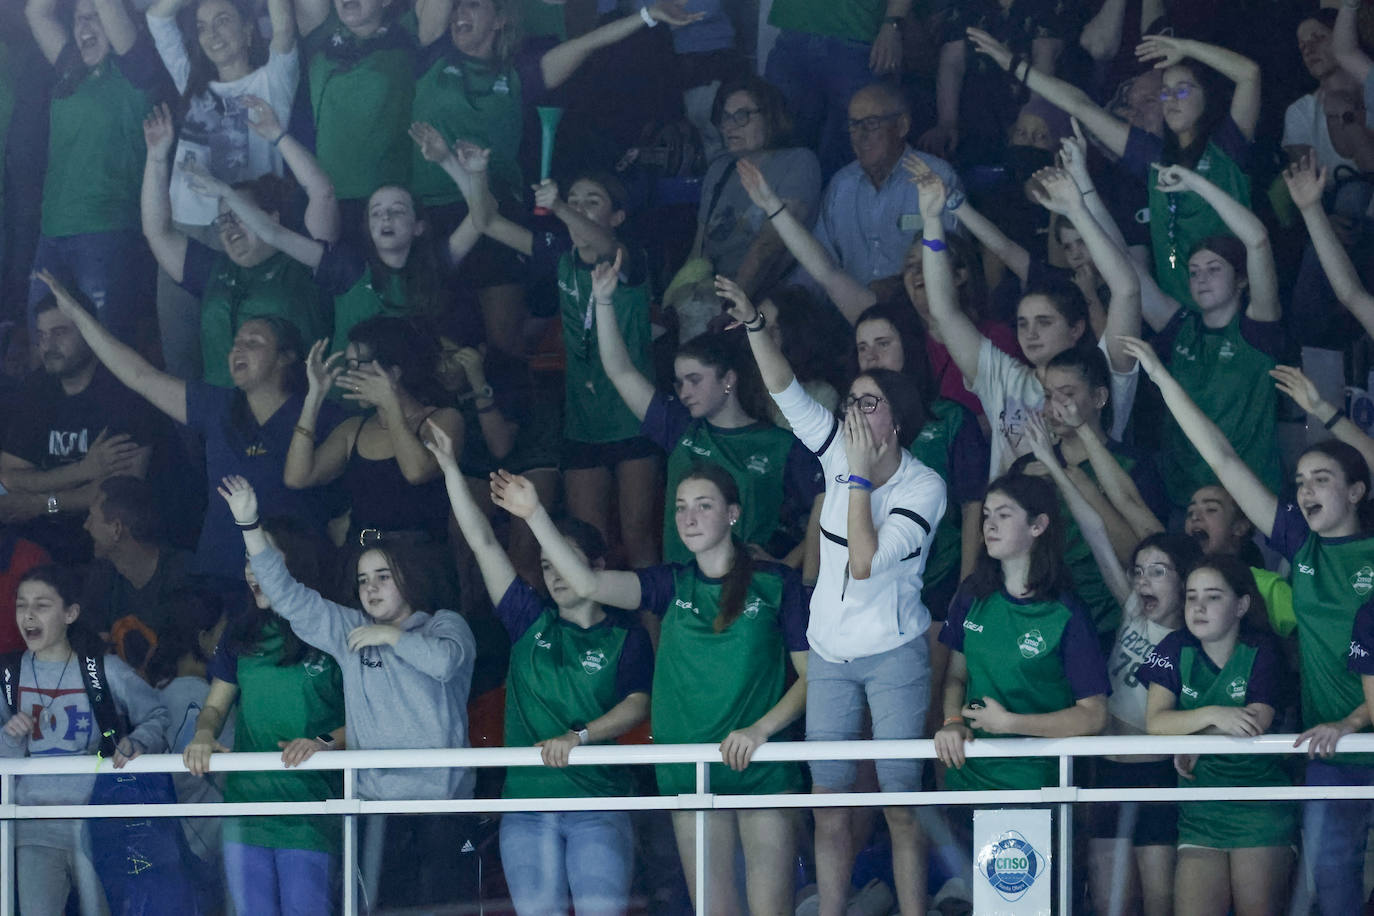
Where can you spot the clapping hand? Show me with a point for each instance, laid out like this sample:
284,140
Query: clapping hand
1037,435
203,183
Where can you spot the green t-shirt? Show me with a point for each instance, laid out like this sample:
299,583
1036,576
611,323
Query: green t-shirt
360,93
282,703
232,294
1088,584
543,18
932,448
1033,657
95,151
707,684
1277,593
857,20
560,674
474,100
1228,379
369,298
592,408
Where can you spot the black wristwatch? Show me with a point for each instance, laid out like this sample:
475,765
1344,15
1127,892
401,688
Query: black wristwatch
325,738
580,729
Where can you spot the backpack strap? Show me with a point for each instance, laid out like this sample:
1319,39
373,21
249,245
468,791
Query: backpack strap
9,678
107,718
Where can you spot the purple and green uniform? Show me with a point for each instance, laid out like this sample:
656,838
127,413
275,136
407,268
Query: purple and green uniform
778,477
952,445
1332,579
561,675
1253,674
708,684
1032,656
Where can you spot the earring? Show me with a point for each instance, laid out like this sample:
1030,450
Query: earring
728,388
732,522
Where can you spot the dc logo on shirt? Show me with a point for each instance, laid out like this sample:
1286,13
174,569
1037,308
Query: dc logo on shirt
1363,580
1237,689
1031,644
63,444
1011,864
593,660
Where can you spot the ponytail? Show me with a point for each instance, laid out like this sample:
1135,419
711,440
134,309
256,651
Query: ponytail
735,588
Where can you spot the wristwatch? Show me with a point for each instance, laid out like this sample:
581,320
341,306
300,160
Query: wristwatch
484,393
580,729
325,738
52,504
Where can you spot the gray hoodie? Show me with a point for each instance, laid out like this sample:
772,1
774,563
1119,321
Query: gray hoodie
65,725
412,695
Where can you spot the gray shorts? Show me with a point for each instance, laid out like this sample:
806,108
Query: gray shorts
894,686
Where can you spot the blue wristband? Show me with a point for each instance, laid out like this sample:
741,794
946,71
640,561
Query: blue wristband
855,479
934,244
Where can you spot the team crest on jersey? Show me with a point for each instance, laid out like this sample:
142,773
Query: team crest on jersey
1031,644
501,86
313,664
751,608
757,464
1236,689
1227,351
1363,580
593,660
926,435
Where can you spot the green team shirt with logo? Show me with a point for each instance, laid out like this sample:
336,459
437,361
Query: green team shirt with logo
281,703
1033,657
856,20
1253,674
764,460
360,93
708,684
952,445
561,675
1332,578
592,408
1226,372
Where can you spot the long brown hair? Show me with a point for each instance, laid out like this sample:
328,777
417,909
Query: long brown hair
735,587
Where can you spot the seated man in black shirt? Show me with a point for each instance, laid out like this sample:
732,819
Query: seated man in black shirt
71,426
134,571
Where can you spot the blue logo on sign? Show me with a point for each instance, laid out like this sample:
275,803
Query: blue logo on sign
1011,865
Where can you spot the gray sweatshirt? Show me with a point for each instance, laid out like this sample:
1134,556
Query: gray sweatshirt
412,695
54,695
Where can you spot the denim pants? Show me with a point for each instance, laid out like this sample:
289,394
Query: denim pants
115,270
1334,833
279,882
547,856
818,75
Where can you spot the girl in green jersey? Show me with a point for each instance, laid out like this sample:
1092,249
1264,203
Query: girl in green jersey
730,624
1216,678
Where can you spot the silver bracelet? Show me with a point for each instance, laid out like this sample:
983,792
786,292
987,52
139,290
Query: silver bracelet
648,18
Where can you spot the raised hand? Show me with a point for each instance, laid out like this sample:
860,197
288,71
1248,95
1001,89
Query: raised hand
674,13
984,43
262,118
472,158
1055,190
1291,381
203,183
320,371
1142,353
605,279
66,302
1163,49
756,186
546,195
741,309
930,188
242,499
432,144
1073,156
440,445
1171,179
515,494
158,132
1305,181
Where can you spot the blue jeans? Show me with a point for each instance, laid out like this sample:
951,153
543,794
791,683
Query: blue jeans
279,882
818,75
546,855
1333,840
114,269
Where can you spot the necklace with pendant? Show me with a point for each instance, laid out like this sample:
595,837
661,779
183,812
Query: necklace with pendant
45,715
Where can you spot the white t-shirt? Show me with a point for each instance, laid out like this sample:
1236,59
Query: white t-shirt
1135,640
217,136
1009,390
1304,124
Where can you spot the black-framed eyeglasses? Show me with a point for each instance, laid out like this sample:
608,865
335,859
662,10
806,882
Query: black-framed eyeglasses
873,122
867,403
1181,91
739,117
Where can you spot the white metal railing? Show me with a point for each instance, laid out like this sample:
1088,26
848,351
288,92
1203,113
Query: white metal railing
1063,796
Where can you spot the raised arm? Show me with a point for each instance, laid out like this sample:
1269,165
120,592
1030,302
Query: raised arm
1241,220
1165,51
1101,35
167,243
1345,43
560,62
118,24
518,496
1305,183
311,14
1073,156
848,294
1291,381
296,246
995,240
282,13
498,227
1112,131
773,366
49,32
1117,486
496,568
322,219
1255,499
1058,193
165,392
309,464
635,390
961,337
432,20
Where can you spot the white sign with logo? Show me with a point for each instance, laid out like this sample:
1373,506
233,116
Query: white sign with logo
1011,863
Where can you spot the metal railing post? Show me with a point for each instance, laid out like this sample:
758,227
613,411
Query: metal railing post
350,849
1065,839
7,848
703,848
